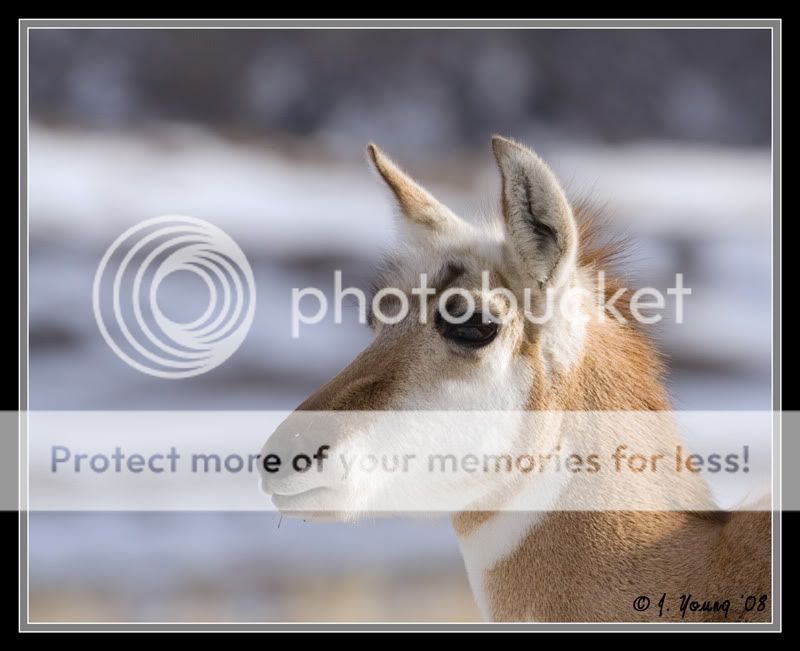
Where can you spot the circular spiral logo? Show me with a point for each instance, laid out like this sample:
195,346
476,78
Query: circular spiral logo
126,288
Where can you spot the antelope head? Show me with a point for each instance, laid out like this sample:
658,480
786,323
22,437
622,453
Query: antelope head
457,348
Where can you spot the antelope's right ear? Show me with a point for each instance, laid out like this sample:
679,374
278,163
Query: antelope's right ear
414,201
538,216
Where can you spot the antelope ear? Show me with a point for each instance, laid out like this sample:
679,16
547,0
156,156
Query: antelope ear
415,202
537,213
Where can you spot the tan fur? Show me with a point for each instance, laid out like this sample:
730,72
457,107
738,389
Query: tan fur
577,566
591,566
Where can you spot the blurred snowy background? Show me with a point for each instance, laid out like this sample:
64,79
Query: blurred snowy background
263,133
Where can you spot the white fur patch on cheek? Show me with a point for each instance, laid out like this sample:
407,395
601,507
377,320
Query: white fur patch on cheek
563,336
432,420
500,380
561,350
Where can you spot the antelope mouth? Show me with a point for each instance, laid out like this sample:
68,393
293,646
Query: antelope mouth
305,494
314,504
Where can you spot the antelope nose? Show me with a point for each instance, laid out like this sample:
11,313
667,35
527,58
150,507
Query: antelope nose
294,458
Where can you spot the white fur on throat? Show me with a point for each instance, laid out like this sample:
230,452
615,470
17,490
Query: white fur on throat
503,533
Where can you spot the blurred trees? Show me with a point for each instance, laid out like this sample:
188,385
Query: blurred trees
431,87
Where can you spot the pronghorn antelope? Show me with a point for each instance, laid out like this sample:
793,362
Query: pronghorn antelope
539,562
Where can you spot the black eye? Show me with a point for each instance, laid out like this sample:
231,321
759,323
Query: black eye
473,333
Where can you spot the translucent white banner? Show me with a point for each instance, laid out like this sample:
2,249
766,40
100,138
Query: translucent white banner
342,464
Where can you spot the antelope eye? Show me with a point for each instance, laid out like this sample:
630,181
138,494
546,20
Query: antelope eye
473,333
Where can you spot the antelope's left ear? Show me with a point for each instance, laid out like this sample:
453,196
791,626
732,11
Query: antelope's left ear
537,214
